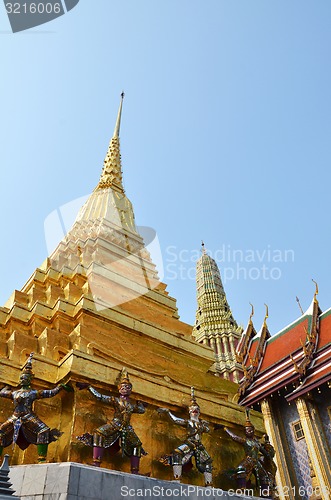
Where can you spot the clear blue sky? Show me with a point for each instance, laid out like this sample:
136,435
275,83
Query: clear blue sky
225,137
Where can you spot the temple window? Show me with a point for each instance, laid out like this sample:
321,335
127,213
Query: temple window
298,430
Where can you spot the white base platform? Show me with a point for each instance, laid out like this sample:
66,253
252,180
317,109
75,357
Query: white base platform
73,481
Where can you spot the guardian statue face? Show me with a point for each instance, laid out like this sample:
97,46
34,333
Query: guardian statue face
25,380
249,431
125,389
194,411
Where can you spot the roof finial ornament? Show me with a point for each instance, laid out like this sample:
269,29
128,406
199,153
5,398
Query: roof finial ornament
266,314
316,290
298,301
252,312
203,250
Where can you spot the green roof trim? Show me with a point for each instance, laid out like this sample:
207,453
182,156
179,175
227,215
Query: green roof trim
326,313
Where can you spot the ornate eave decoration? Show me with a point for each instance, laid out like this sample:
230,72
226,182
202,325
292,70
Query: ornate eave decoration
251,369
310,346
248,334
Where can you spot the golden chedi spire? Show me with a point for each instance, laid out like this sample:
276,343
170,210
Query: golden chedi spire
108,203
111,175
105,243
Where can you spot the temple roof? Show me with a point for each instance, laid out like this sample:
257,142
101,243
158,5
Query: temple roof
295,359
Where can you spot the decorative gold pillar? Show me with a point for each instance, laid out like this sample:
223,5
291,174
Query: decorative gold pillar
283,479
219,347
225,345
236,377
232,347
316,454
213,344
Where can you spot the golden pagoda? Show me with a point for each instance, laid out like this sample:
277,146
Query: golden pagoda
96,305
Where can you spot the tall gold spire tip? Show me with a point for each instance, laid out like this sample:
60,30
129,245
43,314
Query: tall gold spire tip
111,175
119,115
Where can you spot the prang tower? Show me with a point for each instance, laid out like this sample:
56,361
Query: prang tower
215,325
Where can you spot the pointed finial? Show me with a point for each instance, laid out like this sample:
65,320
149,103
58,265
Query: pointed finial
203,250
316,290
123,378
266,313
298,301
5,464
252,313
119,115
5,488
248,423
193,398
111,175
27,368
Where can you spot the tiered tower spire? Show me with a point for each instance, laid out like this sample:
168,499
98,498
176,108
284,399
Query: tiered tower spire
215,325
